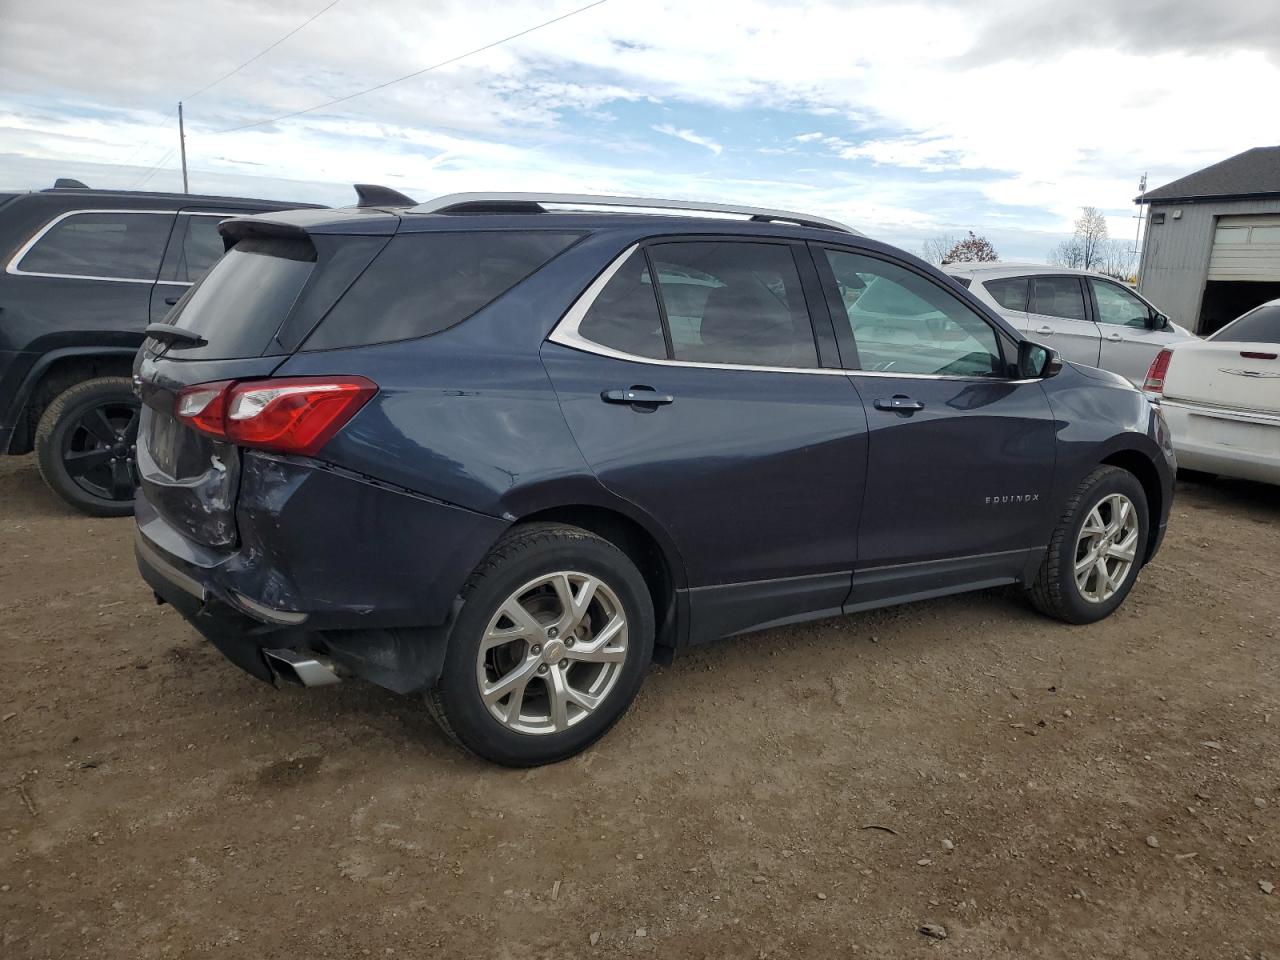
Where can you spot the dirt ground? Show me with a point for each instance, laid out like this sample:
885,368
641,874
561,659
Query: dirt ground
817,791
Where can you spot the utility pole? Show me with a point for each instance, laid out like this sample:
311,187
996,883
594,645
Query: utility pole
182,143
1137,236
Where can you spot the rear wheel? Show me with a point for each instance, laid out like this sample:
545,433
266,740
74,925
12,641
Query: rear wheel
1096,550
85,446
549,649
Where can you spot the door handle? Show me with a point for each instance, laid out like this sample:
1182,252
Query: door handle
1046,330
640,396
1114,337
899,404
170,301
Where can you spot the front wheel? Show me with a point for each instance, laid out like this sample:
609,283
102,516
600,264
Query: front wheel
1096,550
85,443
550,647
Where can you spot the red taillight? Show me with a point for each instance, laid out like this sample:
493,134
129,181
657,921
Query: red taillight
288,415
1157,371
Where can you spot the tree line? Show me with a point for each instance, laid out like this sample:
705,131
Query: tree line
1089,248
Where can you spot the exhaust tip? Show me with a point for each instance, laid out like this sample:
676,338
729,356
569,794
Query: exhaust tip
303,668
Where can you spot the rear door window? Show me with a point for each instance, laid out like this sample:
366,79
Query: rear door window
1057,297
1010,293
423,283
104,245
240,304
735,303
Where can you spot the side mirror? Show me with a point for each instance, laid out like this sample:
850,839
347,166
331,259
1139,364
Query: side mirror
1159,322
1036,361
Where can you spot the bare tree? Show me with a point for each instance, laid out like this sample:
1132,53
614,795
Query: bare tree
1088,248
972,249
1069,253
1091,231
1118,259
935,249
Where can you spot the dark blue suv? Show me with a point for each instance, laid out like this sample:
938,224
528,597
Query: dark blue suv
503,454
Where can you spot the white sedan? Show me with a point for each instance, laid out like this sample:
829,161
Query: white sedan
1221,397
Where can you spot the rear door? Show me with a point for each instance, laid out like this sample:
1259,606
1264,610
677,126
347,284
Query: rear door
1058,317
1129,342
960,453
703,400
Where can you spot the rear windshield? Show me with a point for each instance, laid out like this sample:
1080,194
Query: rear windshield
423,283
1260,326
241,302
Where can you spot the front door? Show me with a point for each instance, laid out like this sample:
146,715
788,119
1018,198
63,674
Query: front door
708,408
1126,322
1057,318
960,454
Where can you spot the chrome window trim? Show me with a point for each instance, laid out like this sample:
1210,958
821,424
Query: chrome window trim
13,268
567,334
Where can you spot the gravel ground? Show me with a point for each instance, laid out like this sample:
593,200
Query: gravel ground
822,790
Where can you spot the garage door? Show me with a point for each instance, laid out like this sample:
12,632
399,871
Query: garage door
1246,248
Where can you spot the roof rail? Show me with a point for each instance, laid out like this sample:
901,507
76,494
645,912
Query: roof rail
534,203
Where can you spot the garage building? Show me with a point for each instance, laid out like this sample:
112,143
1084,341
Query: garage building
1212,247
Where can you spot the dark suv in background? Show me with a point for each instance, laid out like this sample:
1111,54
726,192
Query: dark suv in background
84,271
503,456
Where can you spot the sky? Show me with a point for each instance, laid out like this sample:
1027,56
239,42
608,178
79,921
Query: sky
905,120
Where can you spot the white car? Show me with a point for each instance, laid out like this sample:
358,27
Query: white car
1087,317
1221,397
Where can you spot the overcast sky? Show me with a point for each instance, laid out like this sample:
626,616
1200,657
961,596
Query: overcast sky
906,120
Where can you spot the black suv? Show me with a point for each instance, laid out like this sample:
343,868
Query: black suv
84,271
504,455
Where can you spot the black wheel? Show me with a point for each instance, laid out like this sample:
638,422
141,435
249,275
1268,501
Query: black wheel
85,443
549,649
1096,550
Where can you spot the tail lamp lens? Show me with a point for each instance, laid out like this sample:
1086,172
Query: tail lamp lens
1157,371
289,415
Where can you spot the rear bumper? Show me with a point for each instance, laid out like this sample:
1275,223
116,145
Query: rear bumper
1244,445
328,562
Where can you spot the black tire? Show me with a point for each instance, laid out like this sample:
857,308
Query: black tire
520,557
91,428
1055,591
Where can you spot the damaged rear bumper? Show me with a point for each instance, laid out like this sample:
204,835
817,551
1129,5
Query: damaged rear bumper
330,568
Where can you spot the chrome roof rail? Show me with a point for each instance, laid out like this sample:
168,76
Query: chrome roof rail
533,203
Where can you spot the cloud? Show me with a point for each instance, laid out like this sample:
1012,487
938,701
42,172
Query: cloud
901,117
688,136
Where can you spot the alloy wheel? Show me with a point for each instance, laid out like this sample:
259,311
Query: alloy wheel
1106,548
552,652
99,451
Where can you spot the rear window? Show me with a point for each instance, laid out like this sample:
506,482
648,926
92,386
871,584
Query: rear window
1260,326
963,281
107,245
242,301
423,283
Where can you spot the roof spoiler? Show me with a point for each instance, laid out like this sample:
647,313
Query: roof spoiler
373,195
